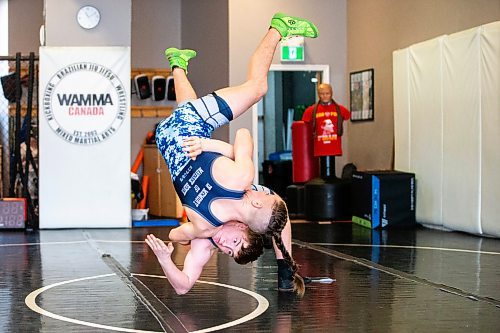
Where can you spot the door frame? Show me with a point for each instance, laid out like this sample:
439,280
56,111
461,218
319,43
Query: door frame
324,69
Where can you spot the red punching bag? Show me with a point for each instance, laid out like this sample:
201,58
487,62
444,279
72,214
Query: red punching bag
304,164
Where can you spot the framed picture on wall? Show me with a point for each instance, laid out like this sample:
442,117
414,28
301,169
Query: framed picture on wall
362,104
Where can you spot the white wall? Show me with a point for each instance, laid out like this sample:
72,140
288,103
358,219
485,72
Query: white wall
375,27
62,28
330,48
156,25
378,27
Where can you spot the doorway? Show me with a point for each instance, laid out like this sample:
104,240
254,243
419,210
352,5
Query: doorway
291,89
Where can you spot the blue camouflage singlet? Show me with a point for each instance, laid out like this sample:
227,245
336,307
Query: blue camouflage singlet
193,180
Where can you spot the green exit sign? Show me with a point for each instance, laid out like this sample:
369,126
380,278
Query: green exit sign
292,53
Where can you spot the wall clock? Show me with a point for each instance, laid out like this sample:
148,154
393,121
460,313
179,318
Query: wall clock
88,17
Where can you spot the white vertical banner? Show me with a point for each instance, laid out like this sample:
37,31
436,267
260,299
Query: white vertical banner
84,111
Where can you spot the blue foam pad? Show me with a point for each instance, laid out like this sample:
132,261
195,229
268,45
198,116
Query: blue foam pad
156,223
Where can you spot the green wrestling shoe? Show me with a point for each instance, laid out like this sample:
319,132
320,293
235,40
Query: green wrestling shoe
289,26
179,58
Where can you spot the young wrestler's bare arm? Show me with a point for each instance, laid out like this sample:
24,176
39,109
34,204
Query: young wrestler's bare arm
199,254
189,231
240,169
243,153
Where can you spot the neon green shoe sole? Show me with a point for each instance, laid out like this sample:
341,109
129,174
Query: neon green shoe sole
179,58
289,26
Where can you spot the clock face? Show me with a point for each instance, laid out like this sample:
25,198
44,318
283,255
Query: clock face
88,17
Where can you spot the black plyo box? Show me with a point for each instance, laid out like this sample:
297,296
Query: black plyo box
383,199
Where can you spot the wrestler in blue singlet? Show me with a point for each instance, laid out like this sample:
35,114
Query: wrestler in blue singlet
193,180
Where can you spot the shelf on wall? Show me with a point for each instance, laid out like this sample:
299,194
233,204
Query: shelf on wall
151,111
150,72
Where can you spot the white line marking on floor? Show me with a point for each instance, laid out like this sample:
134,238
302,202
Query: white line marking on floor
30,301
409,247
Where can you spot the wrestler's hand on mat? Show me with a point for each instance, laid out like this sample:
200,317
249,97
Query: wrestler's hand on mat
159,247
193,146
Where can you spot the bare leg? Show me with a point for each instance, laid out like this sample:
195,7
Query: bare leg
242,97
183,89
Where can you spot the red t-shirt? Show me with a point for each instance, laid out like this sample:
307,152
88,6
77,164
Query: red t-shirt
327,141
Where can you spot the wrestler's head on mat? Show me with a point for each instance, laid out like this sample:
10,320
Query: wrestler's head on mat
238,241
